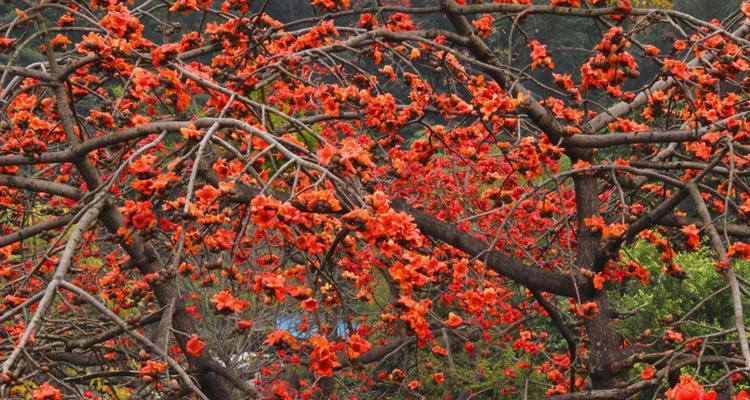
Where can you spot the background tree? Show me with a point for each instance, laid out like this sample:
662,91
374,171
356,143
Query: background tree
353,199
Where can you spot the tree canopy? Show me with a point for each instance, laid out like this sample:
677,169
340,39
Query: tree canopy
355,199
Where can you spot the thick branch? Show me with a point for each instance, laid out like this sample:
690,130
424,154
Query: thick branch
42,186
734,230
718,246
35,229
509,267
66,260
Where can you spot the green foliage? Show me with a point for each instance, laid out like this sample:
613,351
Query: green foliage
657,302
482,376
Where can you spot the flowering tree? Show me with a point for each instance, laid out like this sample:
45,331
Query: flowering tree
200,199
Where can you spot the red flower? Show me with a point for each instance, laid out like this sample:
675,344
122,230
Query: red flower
319,201
326,154
206,195
564,81
185,6
139,214
330,4
648,373
264,210
739,250
677,69
680,45
244,324
195,346
122,24
688,389
6,44
691,233
567,3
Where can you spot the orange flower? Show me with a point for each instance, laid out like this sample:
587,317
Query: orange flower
326,154
651,50
415,315
280,338
581,164
190,132
439,351
272,283
152,368
400,22
388,70
227,304
595,223
309,304
357,345
320,201
564,81
195,346
484,25
142,80
672,336
122,24
60,41
599,281
587,310
539,56
614,231
323,357
453,321
677,69
46,392
66,20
